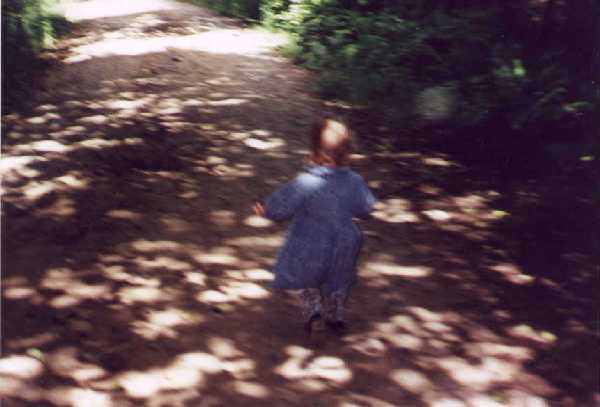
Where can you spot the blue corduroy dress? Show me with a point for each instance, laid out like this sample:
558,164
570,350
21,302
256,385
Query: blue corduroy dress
322,242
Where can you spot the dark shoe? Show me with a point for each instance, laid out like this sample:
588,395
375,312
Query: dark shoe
308,324
339,327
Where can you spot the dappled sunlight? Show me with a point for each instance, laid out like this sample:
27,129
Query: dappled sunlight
512,273
66,362
165,323
411,380
395,210
398,270
21,367
258,221
77,11
304,369
137,274
217,41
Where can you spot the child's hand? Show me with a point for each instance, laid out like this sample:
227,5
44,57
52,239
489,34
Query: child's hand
259,209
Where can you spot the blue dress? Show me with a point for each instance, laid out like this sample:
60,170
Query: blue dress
322,242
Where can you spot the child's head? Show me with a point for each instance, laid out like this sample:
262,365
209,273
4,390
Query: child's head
331,142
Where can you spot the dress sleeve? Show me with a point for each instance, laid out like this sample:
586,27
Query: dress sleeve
364,199
285,202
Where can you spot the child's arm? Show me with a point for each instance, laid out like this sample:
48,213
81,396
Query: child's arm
364,199
285,202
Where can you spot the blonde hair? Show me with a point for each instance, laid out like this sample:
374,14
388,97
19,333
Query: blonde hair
330,140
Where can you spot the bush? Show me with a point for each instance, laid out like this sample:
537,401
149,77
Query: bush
483,63
28,27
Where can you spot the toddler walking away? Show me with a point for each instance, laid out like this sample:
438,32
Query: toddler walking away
323,243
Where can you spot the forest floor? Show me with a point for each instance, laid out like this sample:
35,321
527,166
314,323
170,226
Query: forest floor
135,274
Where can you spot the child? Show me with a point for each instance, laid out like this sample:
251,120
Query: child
323,243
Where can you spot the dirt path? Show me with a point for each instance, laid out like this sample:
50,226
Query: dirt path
135,275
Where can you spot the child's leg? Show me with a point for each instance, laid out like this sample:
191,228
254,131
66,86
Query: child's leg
311,301
335,306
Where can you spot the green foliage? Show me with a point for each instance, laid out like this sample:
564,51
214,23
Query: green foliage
28,27
387,55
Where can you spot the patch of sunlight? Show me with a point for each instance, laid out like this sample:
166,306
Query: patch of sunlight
150,383
481,376
241,369
471,202
94,119
57,278
77,11
204,362
62,207
527,332
497,214
216,258
149,246
481,349
425,315
20,165
258,274
251,389
262,133
223,218
162,323
372,347
245,290
37,120
193,102
396,270
74,180
328,368
171,317
118,273
437,327
437,161
65,362
212,296
411,380
264,145
395,210
227,102
46,108
75,291
222,41
512,273
124,104
175,224
18,293
232,171
438,215
20,366
195,278
132,295
98,143
64,301
124,214
78,397
256,241
35,189
47,146
223,347
238,136
87,291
